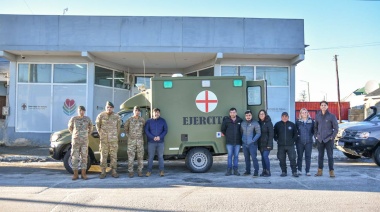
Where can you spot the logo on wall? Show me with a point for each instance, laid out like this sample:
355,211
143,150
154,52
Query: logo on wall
23,106
69,107
206,101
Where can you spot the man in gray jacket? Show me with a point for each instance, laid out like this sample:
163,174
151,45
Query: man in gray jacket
325,130
250,130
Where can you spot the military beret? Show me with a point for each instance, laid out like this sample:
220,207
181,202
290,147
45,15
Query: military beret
136,108
109,104
82,108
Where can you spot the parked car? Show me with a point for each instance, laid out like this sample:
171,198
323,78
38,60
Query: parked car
361,139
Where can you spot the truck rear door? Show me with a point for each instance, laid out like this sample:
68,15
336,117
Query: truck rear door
256,96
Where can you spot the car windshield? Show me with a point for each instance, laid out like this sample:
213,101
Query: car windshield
376,118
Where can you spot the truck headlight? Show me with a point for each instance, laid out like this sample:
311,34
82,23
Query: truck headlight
55,137
362,135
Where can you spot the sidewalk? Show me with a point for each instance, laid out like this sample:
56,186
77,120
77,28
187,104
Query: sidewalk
41,154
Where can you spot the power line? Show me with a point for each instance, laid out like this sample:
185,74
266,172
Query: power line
29,7
347,46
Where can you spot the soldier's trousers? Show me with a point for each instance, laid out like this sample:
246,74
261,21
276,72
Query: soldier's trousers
135,146
79,151
108,147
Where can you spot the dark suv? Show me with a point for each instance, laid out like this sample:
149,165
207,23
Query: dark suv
361,139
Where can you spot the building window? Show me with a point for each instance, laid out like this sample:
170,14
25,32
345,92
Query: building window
247,71
70,73
103,76
229,71
119,80
34,73
143,80
275,76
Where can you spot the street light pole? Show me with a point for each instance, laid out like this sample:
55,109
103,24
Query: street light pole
308,88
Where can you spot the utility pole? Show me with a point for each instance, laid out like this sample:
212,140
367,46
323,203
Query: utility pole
337,83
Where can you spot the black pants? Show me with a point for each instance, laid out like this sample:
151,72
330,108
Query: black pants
281,155
329,146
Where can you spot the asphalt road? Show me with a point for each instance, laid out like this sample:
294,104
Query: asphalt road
46,186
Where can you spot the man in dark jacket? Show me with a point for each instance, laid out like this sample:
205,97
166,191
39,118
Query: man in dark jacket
325,130
231,130
156,129
285,133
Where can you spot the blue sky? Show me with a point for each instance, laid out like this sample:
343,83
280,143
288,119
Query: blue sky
347,28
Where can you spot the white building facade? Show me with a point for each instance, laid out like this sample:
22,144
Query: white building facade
57,63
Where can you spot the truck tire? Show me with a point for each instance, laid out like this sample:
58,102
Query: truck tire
376,156
351,156
68,165
199,160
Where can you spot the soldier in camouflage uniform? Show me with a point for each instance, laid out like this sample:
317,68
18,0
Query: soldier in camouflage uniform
80,127
134,128
108,126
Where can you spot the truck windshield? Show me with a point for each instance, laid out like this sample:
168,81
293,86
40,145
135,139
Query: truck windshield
125,116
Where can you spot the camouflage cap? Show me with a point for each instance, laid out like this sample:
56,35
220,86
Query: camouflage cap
137,108
82,108
109,104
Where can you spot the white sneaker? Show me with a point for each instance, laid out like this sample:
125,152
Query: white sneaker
308,174
299,173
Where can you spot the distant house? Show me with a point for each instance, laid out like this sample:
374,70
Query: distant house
372,99
357,98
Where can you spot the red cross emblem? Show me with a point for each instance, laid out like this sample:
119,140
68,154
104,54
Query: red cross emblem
206,101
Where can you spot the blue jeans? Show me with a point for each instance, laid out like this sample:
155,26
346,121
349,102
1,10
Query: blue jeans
265,159
154,147
232,150
301,148
250,151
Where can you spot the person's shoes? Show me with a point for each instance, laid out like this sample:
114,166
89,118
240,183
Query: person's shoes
229,172
83,174
162,173
295,174
75,175
308,174
255,174
263,173
236,172
246,174
103,174
114,173
131,174
332,174
283,174
140,174
148,174
267,174
299,173
319,173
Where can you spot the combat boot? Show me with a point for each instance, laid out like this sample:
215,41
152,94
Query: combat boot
229,172
75,176
319,173
103,174
114,173
83,174
131,174
140,174
332,173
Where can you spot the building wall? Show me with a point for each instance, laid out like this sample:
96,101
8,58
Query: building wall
151,34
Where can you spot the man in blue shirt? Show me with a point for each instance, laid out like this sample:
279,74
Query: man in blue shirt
156,129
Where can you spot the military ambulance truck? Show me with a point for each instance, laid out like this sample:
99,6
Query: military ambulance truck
194,109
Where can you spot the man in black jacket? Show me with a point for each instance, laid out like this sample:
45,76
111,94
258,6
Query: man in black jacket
325,129
285,133
231,130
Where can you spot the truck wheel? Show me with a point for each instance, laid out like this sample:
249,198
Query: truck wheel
351,156
69,166
199,160
376,156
